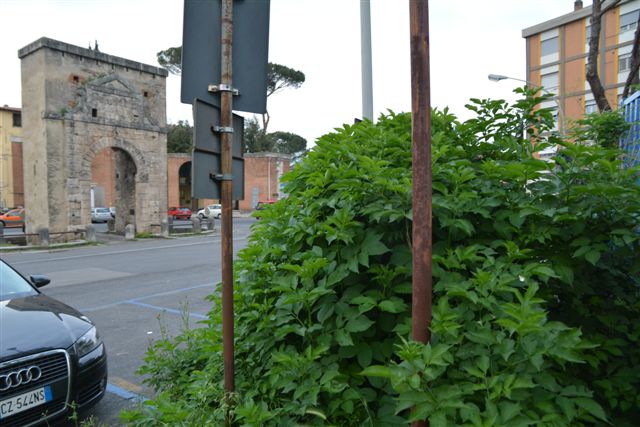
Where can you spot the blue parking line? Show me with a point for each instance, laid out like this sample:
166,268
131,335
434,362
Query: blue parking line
159,294
169,310
125,394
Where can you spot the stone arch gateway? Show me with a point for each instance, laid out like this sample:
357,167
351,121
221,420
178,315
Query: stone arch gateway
77,103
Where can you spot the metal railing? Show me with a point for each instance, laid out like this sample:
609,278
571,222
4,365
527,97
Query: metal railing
631,141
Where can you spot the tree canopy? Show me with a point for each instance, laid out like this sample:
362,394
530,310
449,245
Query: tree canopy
179,137
281,77
171,59
280,142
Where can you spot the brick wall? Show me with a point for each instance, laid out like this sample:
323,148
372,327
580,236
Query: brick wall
16,171
102,176
262,176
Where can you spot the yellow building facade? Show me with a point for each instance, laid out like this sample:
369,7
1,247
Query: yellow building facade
11,187
557,55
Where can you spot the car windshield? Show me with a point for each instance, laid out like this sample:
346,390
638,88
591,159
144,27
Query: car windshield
183,209
102,210
12,285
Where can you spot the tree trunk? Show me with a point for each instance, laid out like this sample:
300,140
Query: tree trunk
633,78
593,78
265,123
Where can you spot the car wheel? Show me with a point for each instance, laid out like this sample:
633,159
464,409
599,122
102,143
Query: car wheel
2,223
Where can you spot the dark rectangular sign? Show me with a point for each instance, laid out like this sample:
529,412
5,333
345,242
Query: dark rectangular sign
207,164
207,151
205,119
201,55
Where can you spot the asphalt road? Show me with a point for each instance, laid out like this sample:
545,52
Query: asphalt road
131,290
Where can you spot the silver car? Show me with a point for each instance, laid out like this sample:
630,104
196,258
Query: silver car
214,210
100,214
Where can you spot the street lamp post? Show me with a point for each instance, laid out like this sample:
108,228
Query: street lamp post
499,77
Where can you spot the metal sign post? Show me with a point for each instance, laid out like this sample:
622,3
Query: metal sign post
226,103
421,153
208,37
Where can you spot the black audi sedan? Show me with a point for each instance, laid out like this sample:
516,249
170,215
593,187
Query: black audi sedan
52,360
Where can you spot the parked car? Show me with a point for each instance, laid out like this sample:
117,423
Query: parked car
214,210
112,211
179,212
50,354
261,205
100,214
14,218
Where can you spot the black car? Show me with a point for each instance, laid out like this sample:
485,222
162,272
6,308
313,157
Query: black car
52,359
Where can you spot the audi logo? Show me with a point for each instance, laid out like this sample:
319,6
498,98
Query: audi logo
22,376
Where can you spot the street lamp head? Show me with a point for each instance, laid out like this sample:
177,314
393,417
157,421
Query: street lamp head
497,77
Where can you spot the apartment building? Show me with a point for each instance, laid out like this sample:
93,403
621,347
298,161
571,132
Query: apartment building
11,187
557,56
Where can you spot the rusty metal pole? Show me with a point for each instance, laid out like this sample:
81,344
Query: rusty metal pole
421,154
226,104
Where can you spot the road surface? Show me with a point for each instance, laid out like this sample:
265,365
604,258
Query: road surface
129,289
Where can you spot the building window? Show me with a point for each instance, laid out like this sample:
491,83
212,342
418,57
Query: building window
549,82
590,107
17,120
588,32
94,112
624,62
629,21
549,46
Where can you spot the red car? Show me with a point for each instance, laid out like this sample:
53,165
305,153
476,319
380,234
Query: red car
179,212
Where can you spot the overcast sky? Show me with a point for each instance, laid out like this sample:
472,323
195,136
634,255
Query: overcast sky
469,39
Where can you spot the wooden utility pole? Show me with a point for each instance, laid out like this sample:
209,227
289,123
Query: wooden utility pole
421,154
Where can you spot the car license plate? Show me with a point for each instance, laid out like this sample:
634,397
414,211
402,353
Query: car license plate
25,401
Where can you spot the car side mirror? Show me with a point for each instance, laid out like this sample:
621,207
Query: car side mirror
39,280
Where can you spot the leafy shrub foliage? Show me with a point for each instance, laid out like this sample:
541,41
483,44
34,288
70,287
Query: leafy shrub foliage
536,309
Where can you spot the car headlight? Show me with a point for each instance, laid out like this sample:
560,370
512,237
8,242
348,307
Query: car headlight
88,342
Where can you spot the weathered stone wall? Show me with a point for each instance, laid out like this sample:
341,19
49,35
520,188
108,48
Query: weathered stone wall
77,102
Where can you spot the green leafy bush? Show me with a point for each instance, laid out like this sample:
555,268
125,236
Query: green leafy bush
535,288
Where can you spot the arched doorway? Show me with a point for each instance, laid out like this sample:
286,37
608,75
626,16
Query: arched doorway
113,185
184,184
99,102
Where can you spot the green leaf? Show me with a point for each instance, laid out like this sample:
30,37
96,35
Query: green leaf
592,256
508,410
376,371
364,303
364,354
359,324
567,406
395,305
591,406
373,245
438,420
343,338
325,311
